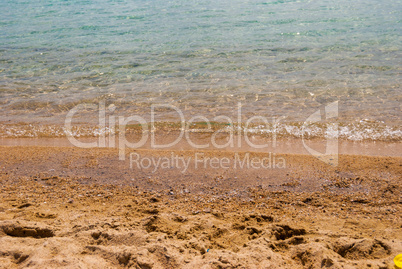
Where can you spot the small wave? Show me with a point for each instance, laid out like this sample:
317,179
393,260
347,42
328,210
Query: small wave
37,131
357,131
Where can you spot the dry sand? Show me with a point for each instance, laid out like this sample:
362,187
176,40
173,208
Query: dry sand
83,208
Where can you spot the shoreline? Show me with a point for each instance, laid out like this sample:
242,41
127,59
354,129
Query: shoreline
279,145
353,131
65,206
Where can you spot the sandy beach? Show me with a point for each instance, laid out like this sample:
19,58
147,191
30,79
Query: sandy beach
200,134
83,208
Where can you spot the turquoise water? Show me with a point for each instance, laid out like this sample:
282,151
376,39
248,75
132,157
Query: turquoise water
278,58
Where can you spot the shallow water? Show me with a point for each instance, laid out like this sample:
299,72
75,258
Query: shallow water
278,58
280,146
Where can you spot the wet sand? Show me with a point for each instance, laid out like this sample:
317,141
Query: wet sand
83,208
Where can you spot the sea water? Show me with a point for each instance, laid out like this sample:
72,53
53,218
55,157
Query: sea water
277,59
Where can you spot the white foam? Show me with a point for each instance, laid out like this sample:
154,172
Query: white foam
357,131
